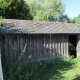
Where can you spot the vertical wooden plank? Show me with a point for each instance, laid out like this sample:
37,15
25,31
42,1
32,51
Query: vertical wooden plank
10,47
6,47
24,48
39,46
44,47
28,40
62,45
31,46
3,49
27,47
43,53
53,46
59,55
66,45
65,38
50,48
77,49
21,48
56,46
15,44
35,47
18,45
1,73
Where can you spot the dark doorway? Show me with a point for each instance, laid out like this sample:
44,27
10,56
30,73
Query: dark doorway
72,45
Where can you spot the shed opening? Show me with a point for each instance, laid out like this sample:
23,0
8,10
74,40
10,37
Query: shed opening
72,43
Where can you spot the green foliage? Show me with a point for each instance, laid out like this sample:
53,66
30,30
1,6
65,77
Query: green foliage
46,9
76,20
0,21
17,9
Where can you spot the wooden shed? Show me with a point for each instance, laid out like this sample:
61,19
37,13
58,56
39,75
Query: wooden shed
42,40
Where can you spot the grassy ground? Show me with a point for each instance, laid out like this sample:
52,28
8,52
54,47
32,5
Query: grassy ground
66,70
74,72
60,69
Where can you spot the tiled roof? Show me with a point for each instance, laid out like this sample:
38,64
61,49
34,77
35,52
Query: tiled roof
37,27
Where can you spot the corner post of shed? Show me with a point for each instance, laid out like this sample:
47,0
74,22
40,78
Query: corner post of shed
1,73
78,46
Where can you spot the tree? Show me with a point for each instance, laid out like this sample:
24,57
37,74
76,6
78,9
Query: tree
17,9
3,5
64,18
46,9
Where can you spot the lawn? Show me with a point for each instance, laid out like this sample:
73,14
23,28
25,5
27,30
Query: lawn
60,69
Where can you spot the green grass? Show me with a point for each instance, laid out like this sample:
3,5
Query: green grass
60,69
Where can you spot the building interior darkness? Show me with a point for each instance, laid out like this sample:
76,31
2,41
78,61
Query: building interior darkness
72,41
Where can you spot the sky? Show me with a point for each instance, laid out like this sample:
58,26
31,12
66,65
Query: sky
72,8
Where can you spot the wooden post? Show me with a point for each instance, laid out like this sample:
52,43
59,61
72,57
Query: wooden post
78,46
1,74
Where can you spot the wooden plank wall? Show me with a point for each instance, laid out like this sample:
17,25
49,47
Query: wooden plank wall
38,47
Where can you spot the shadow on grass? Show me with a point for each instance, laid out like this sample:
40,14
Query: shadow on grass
52,70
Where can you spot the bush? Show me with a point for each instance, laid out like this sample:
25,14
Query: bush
28,71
